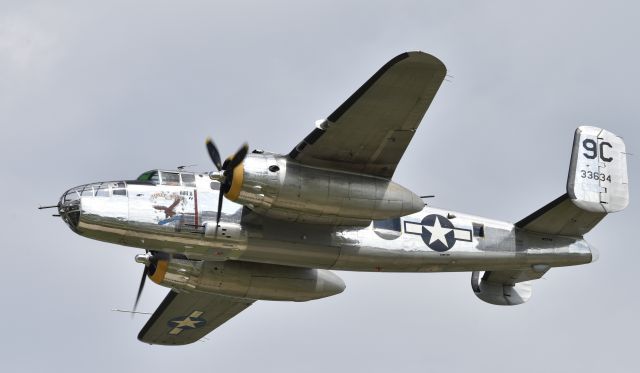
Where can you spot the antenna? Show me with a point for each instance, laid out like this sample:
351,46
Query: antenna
131,312
180,168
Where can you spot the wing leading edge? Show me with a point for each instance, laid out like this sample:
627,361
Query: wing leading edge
371,130
185,318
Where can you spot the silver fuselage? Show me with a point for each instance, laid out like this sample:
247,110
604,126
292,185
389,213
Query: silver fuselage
180,219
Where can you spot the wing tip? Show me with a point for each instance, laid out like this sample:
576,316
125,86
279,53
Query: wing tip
428,58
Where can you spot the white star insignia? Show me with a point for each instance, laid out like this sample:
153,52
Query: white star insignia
187,322
438,233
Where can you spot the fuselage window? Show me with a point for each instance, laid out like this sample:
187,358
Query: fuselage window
478,230
170,178
188,180
388,229
119,192
389,224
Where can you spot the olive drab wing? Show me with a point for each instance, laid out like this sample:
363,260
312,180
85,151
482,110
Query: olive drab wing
370,131
185,318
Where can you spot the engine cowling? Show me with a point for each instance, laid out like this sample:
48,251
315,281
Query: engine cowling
247,280
277,187
500,294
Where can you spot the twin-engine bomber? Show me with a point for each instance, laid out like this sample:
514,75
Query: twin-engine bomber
330,204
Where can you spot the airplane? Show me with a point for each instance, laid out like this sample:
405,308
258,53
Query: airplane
267,226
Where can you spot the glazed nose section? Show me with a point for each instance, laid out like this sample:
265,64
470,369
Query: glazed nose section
104,203
69,207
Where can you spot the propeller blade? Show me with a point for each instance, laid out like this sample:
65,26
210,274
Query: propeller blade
238,157
228,166
220,198
144,277
213,153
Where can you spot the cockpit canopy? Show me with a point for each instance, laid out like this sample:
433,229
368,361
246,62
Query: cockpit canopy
158,177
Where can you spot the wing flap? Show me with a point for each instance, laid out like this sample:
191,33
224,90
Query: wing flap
185,318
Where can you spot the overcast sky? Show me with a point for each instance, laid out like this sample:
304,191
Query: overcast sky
95,91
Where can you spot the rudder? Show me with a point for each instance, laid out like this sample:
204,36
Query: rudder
598,180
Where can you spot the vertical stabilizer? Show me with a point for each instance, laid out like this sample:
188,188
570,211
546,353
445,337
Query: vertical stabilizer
597,185
598,180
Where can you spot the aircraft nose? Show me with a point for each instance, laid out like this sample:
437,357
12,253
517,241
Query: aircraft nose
98,203
69,206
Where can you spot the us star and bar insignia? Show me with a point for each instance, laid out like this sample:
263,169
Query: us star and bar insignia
192,321
437,232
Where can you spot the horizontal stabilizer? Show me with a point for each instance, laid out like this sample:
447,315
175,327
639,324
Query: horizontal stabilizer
561,217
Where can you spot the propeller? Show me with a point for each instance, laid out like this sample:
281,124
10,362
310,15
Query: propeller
145,272
225,170
149,260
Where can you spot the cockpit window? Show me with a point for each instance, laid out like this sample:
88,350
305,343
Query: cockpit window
170,178
86,190
151,176
154,178
188,180
102,190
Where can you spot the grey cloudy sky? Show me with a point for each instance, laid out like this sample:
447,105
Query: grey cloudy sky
105,90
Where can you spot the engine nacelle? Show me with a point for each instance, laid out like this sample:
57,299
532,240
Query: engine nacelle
247,280
277,187
500,294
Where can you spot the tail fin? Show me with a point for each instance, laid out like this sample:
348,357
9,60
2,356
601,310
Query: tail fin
598,180
597,184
